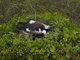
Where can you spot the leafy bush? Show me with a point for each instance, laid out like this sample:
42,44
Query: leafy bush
63,43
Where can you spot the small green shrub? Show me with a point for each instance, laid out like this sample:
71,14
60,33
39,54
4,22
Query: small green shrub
61,44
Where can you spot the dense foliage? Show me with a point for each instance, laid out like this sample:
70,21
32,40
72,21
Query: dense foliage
63,43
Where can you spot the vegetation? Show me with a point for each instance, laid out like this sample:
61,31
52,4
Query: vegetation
9,8
61,44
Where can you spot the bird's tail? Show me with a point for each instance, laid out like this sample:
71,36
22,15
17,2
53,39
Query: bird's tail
21,23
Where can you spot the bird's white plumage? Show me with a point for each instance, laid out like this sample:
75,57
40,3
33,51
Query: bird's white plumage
46,26
27,29
32,21
36,31
44,31
40,31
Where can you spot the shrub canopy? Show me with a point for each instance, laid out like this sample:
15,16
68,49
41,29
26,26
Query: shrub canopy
61,44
